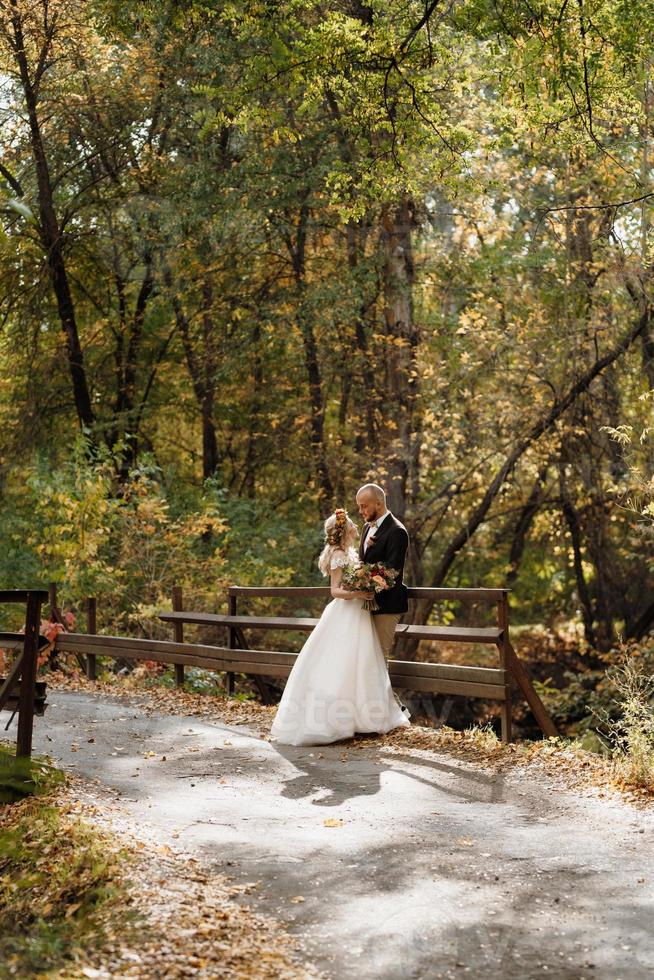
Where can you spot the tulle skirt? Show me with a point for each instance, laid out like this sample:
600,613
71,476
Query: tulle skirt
339,683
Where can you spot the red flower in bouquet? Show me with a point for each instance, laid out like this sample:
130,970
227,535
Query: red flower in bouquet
361,577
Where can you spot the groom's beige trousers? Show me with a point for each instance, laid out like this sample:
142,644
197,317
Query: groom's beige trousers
385,624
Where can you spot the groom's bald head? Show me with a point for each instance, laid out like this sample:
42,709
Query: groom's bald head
371,501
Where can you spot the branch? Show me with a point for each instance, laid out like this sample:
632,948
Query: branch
429,10
153,373
609,205
13,182
537,430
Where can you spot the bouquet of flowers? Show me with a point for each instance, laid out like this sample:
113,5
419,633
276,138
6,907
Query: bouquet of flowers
362,577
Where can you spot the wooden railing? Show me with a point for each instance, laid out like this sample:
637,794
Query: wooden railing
491,683
23,669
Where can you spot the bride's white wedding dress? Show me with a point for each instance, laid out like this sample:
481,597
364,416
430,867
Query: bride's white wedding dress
339,683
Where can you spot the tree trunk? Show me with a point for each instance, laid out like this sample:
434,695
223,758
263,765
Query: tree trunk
367,439
572,520
128,355
399,453
201,370
523,524
251,454
210,456
49,231
297,252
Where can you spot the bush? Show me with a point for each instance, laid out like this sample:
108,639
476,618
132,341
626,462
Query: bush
631,733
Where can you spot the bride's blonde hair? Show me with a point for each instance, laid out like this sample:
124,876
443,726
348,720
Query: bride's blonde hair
340,534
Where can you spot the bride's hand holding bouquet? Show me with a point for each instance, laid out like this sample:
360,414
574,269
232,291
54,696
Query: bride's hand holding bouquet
367,580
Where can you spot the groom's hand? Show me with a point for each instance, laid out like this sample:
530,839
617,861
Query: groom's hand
397,549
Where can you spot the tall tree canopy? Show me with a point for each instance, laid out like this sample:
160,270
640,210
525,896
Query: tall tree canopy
271,251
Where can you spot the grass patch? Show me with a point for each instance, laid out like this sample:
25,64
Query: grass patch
61,888
631,733
25,777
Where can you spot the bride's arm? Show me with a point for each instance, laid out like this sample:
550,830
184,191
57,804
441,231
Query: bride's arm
339,593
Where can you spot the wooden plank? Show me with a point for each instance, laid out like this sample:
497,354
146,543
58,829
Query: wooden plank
455,634
480,675
178,632
70,642
435,685
19,638
273,664
231,640
288,592
524,683
91,627
482,595
211,658
21,595
503,625
478,595
252,622
449,678
16,638
145,649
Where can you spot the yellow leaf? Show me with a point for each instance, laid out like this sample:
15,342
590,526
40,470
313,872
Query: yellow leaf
333,822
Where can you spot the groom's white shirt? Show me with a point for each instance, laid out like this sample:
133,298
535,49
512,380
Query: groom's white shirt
373,528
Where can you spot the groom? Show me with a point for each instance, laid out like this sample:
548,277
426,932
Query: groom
384,540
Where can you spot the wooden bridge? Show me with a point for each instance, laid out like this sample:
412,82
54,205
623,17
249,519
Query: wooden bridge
237,655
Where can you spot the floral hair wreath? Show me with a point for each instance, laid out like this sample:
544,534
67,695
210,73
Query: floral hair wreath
337,533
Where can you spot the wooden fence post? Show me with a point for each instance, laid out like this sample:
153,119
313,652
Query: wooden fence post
231,640
28,676
503,624
178,631
55,615
91,629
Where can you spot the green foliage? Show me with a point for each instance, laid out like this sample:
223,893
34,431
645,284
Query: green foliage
307,245
60,889
25,777
631,733
129,543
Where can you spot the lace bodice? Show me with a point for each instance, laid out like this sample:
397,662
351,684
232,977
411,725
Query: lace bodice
340,558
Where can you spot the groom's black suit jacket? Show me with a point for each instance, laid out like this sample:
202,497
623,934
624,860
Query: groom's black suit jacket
389,548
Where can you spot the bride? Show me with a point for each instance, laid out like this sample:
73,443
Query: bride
339,683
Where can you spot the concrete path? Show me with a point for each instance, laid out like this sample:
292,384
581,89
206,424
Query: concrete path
439,868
